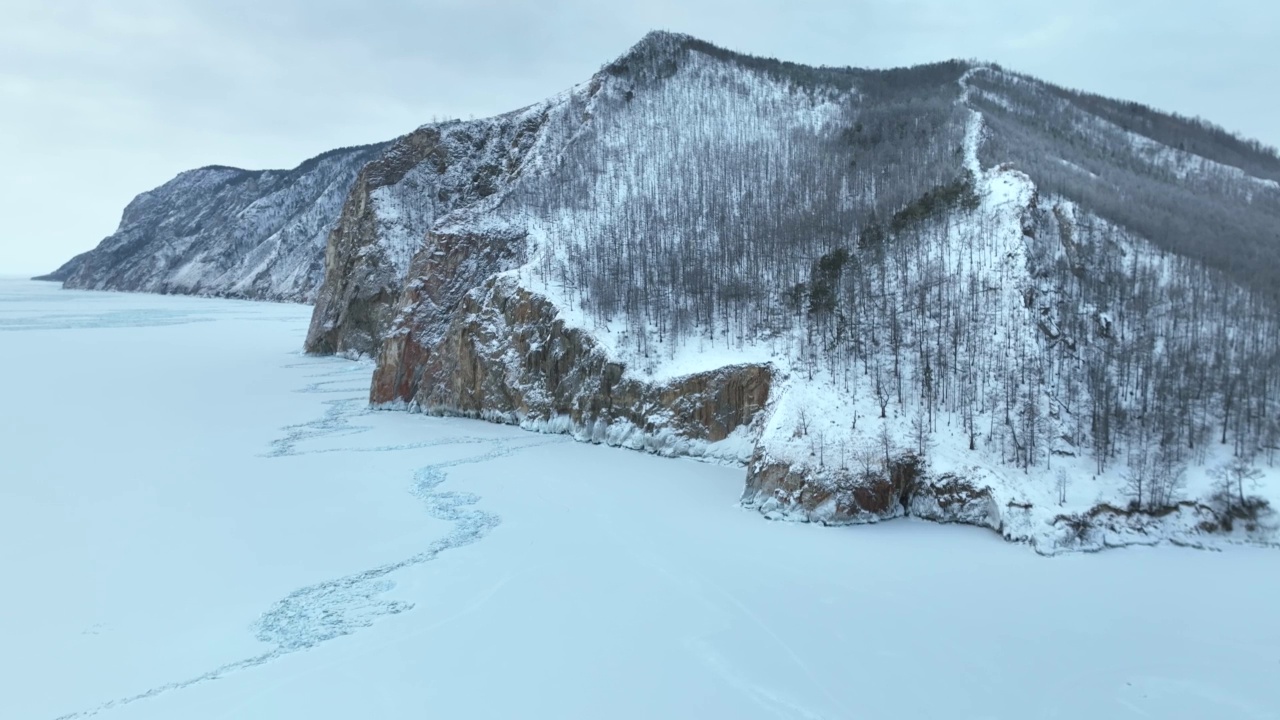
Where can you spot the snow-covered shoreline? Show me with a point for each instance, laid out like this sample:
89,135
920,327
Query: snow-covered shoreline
180,471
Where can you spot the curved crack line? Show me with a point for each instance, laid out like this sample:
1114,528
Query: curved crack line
326,610
336,421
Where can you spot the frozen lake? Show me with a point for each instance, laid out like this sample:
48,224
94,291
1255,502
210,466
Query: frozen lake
196,521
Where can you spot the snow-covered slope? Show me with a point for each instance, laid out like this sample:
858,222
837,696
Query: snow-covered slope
833,277
226,232
1183,184
822,455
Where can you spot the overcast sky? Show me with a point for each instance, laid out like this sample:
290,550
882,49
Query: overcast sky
102,100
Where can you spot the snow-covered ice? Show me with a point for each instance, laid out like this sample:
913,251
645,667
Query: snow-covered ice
198,522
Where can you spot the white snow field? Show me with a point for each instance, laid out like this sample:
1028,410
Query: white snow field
196,521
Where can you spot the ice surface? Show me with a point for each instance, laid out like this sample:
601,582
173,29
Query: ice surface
196,522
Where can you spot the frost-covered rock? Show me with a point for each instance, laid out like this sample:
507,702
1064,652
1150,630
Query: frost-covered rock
831,496
952,499
848,496
226,232
1107,526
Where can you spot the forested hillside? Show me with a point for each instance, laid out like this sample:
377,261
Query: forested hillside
1185,185
982,298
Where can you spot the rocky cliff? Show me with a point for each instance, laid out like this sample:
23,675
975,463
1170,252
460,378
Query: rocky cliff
505,354
395,201
226,232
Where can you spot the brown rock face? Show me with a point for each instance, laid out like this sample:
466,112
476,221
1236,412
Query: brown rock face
394,205
506,355
843,497
832,496
450,266
361,283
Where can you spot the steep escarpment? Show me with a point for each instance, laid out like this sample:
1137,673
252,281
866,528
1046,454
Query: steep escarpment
505,354
393,205
225,232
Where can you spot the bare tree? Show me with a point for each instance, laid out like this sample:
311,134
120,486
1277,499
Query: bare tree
1168,478
1231,478
868,458
920,435
802,422
1137,477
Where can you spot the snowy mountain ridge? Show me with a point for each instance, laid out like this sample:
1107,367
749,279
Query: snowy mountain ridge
757,262
224,231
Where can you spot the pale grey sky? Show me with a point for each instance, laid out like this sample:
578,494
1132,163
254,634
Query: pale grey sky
102,100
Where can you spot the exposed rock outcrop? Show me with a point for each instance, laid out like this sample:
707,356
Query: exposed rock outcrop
948,498
396,201
843,496
506,355
832,496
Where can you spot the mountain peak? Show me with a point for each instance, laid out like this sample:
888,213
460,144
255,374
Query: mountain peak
659,54
663,38
655,53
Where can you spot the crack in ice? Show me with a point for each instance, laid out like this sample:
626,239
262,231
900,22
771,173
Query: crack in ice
317,613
